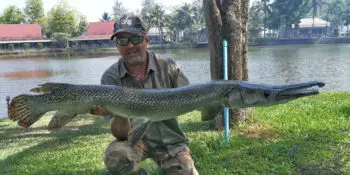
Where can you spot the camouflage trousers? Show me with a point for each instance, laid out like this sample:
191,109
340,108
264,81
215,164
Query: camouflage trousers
121,158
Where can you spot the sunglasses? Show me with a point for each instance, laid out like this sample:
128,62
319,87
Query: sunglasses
134,40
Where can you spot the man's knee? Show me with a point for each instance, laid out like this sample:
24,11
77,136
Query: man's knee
121,158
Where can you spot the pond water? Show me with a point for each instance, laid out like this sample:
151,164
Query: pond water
267,64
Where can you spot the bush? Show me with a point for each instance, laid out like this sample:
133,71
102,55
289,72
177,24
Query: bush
40,45
11,46
60,40
26,46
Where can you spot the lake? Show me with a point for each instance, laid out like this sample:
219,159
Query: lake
267,64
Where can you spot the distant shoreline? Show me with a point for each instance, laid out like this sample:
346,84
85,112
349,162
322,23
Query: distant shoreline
90,52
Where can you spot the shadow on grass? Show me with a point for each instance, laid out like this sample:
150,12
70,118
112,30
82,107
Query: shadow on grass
55,171
197,126
346,110
59,138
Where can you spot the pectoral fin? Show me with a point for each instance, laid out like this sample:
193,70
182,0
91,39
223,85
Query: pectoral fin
60,119
138,131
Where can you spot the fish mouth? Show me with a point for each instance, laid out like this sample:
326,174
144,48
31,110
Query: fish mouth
299,90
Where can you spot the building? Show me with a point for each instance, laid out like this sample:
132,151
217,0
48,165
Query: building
97,35
314,28
21,36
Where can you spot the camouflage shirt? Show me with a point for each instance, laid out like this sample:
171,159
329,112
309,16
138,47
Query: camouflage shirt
161,73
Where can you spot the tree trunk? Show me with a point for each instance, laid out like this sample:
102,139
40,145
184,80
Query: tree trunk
227,21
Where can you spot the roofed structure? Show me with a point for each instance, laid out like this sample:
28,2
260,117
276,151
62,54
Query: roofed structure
98,30
16,32
311,23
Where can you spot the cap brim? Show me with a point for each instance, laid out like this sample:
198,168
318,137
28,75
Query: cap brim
135,31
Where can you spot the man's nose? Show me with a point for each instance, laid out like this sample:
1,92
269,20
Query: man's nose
130,45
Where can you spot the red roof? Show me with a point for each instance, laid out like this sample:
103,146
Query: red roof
98,30
20,32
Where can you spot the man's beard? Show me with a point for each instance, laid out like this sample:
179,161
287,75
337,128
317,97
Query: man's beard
135,61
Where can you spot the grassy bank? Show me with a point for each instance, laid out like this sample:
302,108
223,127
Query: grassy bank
306,136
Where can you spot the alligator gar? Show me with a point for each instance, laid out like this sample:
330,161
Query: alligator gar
151,105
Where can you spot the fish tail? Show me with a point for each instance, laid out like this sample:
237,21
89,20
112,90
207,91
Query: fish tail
22,108
49,87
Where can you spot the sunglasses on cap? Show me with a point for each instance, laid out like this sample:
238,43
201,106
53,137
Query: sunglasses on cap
134,40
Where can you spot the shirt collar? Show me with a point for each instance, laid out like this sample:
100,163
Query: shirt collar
151,65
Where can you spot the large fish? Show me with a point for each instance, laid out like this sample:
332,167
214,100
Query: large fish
151,105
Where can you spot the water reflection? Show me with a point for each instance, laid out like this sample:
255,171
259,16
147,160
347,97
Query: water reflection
27,74
273,64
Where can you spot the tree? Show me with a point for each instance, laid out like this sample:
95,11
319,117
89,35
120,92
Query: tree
146,6
118,10
156,19
289,13
315,6
256,16
334,14
82,26
346,16
198,15
62,19
186,14
227,21
34,11
105,17
12,15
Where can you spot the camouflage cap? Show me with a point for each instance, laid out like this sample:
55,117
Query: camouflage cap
129,24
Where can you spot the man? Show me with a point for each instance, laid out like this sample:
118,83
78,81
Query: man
165,142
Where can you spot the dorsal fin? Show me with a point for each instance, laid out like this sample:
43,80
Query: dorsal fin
49,87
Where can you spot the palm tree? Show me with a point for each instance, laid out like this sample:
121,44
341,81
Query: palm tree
316,5
105,17
155,16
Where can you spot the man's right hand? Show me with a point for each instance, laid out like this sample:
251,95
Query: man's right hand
100,110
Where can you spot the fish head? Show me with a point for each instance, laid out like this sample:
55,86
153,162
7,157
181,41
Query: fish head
247,94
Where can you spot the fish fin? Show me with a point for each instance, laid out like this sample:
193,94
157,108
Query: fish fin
49,87
60,119
137,132
22,108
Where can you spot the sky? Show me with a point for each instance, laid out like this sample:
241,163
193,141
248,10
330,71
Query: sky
93,9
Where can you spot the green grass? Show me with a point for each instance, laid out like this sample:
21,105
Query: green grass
306,136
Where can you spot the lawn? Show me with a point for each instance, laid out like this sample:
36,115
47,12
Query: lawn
306,136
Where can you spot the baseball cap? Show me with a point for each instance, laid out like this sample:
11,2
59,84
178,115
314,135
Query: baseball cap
129,24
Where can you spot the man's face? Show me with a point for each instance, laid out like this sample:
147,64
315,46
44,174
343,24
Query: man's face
133,55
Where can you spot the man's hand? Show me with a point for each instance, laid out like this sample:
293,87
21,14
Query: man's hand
100,110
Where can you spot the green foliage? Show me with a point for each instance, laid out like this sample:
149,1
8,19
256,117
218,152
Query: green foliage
286,13
12,15
63,19
26,45
146,6
334,13
82,26
11,46
34,11
60,40
305,136
118,10
256,16
40,45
